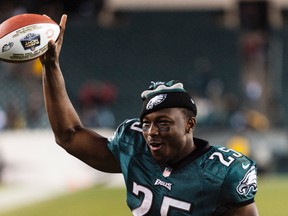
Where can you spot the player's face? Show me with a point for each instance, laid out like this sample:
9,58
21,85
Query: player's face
165,132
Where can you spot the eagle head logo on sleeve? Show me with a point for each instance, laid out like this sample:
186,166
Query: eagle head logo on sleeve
248,183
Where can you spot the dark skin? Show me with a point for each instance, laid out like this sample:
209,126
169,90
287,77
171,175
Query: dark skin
168,132
83,143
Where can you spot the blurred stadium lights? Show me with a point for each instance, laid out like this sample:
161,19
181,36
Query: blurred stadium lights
169,4
184,4
231,8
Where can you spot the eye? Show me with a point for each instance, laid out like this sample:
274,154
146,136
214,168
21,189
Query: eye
145,126
164,125
164,122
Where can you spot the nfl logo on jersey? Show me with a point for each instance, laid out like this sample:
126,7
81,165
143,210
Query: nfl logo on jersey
167,171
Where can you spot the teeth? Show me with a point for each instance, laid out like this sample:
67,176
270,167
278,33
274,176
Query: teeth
155,144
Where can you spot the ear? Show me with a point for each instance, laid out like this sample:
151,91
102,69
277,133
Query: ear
191,123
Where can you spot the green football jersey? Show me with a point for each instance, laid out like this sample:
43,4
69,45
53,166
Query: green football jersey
207,182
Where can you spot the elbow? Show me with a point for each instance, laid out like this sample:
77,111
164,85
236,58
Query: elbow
65,138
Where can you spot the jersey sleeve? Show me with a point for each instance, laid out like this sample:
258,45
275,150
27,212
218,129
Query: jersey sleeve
126,141
240,185
235,175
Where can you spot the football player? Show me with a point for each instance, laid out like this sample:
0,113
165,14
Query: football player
167,171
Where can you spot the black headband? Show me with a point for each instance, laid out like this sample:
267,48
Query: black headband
168,99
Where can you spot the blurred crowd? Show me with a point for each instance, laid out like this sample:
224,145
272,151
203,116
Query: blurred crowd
216,106
22,104
21,96
13,114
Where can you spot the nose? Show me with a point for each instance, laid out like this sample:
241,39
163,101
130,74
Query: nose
153,130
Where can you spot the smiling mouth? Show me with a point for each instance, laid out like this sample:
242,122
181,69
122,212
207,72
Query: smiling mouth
155,146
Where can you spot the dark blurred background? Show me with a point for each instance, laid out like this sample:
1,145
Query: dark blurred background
230,55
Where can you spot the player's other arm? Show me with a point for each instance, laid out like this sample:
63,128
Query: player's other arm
69,132
248,210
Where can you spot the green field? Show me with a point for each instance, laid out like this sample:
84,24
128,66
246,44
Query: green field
271,201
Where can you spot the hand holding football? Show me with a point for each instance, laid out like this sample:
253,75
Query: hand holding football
25,37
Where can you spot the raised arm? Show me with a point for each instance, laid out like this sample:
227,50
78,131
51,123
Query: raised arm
83,143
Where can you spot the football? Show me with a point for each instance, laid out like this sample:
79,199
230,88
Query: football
25,37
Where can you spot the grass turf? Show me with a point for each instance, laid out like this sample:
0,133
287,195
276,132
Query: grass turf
271,200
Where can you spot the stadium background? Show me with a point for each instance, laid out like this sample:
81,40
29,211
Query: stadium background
232,60
231,56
